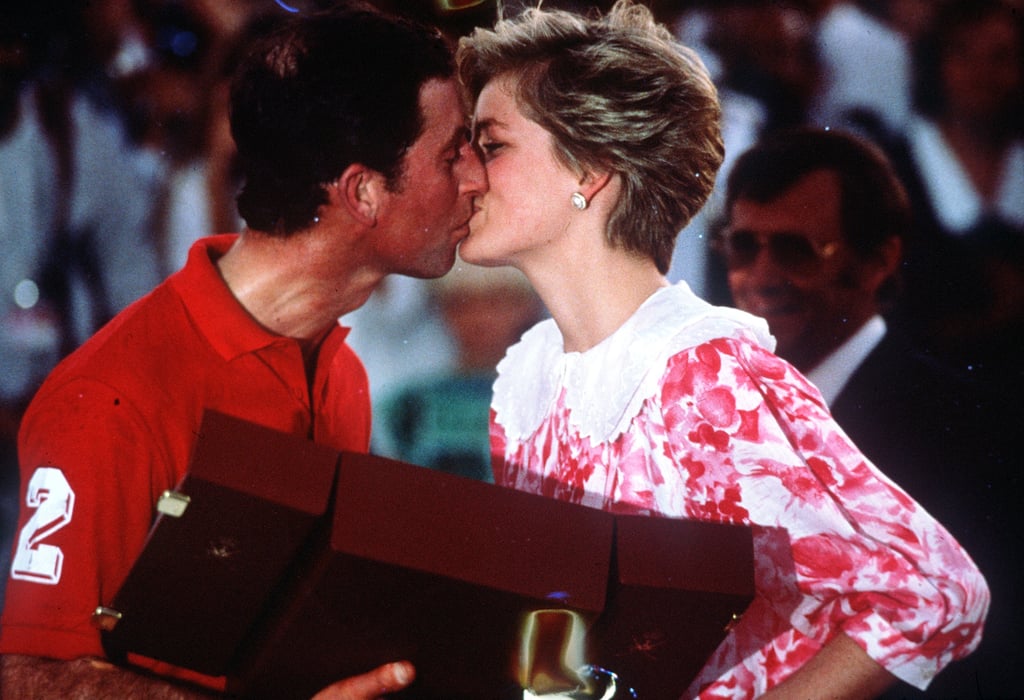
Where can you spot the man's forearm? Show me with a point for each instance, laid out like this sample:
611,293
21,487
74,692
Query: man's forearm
83,679
93,679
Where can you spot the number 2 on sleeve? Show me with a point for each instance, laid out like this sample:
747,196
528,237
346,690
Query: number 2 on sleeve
53,500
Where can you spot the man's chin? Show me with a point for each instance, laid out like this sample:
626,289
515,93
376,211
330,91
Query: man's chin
787,330
437,266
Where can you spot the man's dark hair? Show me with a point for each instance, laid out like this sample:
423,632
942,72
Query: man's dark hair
874,204
321,92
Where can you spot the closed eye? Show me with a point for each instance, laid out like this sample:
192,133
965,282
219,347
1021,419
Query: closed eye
462,139
489,148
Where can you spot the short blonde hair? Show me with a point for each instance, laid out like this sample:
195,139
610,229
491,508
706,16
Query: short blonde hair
617,93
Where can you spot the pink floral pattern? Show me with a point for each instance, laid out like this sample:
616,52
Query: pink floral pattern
734,434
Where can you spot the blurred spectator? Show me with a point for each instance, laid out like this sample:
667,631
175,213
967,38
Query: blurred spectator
812,242
29,339
767,53
400,336
74,208
763,59
175,100
962,157
440,420
75,241
28,334
865,68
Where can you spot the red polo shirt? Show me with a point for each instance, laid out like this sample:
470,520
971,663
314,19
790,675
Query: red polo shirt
113,426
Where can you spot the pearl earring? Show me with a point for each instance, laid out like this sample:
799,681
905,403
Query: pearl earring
578,201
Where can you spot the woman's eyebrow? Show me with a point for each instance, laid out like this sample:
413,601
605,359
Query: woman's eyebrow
486,124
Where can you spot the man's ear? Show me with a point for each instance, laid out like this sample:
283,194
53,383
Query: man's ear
359,191
884,262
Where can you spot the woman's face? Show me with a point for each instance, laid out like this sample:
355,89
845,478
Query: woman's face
527,207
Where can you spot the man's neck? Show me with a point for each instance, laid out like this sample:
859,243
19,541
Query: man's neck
286,286
832,373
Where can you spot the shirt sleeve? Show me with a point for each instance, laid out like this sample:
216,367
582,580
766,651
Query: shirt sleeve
90,474
760,448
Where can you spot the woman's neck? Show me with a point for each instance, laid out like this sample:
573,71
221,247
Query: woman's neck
593,299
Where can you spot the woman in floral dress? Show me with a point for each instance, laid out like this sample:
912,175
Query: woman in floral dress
601,140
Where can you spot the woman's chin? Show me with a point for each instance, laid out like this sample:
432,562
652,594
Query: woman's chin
475,250
469,250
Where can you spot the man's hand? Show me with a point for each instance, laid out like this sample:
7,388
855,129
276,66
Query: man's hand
370,686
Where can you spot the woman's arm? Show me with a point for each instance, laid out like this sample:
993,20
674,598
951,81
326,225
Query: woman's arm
840,671
863,558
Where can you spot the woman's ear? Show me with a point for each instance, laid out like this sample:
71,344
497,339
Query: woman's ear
358,191
593,182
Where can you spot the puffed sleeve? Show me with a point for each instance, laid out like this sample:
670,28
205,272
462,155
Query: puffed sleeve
760,447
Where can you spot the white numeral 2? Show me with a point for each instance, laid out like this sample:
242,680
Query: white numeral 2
51,495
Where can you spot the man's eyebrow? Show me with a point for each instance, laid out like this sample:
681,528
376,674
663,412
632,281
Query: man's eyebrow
458,134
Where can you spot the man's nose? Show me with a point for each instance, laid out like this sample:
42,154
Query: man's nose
764,270
473,175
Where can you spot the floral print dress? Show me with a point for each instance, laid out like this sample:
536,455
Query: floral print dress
685,412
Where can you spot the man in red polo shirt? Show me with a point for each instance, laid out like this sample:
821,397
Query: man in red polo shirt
352,136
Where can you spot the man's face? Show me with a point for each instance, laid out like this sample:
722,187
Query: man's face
787,263
423,221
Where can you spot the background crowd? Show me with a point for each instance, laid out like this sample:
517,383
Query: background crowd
115,157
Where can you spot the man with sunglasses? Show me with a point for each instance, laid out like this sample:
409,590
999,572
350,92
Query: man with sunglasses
812,242
815,224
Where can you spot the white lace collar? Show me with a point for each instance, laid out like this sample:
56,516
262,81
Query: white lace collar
606,385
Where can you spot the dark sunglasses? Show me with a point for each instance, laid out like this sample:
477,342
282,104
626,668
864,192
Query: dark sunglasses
790,251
